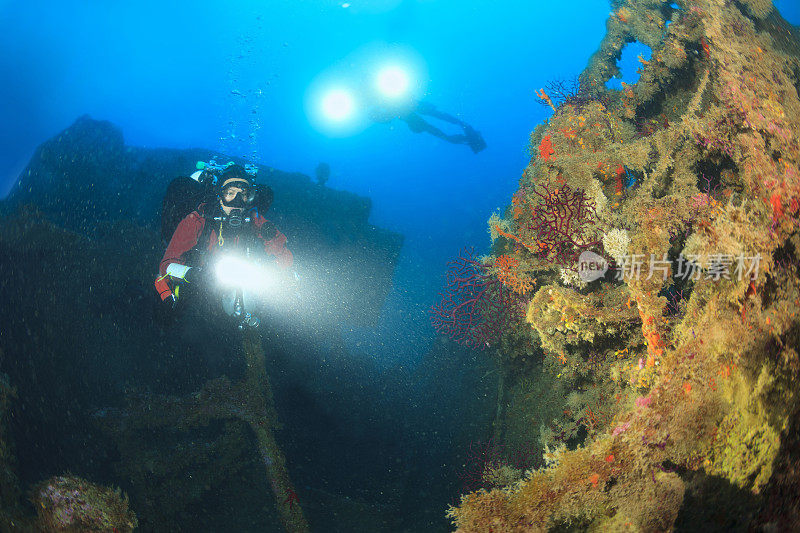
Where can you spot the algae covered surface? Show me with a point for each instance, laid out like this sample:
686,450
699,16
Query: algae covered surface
663,392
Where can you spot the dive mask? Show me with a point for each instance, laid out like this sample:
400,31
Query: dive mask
237,194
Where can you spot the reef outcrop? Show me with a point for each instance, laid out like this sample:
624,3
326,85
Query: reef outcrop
69,503
665,393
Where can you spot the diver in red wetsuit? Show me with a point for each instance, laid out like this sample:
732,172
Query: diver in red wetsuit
231,226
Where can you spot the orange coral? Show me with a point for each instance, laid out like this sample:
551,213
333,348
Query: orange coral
777,208
618,187
655,344
706,48
517,202
506,263
543,95
508,275
515,238
546,149
628,90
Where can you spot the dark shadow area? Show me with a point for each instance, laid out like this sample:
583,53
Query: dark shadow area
713,504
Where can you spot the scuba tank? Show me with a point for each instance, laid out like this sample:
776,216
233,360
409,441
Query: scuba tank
184,194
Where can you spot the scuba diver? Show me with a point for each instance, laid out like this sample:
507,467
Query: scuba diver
226,230
416,123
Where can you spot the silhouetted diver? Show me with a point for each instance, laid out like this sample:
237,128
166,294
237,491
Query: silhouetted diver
418,124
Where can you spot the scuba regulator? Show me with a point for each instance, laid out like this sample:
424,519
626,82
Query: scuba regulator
237,193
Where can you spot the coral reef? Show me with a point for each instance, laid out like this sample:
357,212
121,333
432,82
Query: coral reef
673,378
68,503
493,465
476,306
63,503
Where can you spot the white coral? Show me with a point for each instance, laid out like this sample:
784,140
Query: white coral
616,243
552,458
495,222
595,191
570,277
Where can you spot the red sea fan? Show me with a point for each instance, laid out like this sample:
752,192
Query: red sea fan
562,223
475,308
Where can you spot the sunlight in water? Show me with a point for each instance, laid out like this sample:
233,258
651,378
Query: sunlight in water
338,105
392,81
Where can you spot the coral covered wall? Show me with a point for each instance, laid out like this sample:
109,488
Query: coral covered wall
673,377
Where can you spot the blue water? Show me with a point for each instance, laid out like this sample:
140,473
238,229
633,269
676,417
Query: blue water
629,64
188,74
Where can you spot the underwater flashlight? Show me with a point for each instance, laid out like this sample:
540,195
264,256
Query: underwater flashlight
233,271
392,81
338,105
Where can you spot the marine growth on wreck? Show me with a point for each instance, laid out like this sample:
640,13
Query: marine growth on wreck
663,393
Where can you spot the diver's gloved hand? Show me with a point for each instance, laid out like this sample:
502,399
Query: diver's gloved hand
185,274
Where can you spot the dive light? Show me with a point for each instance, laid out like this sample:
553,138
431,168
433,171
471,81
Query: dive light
234,271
